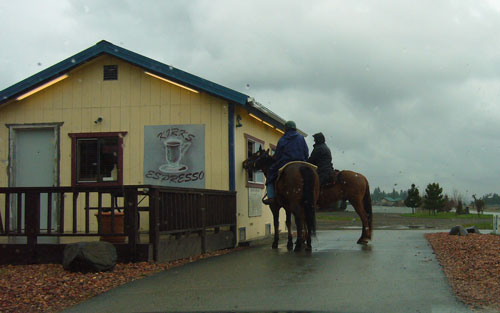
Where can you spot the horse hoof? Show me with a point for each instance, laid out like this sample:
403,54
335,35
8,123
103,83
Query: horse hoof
275,245
289,246
362,242
308,248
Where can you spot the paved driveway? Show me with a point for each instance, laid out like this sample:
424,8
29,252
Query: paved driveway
397,272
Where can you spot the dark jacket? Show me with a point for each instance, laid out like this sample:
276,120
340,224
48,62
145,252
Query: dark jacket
322,158
291,147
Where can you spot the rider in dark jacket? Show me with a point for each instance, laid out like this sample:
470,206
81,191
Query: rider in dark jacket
322,158
291,147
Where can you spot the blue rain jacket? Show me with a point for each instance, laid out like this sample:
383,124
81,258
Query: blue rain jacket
291,147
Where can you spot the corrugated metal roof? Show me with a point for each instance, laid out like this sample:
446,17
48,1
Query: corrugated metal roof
155,67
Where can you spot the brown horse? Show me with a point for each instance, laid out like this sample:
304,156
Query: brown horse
354,187
297,190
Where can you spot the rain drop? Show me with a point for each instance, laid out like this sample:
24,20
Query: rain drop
73,60
86,9
247,86
39,64
170,67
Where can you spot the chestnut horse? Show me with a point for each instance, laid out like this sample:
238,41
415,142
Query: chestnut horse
354,187
297,190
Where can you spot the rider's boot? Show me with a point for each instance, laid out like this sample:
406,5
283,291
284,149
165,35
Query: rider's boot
268,201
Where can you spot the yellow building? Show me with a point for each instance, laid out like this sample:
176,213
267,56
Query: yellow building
108,117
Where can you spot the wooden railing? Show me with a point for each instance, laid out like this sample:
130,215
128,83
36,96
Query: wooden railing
43,211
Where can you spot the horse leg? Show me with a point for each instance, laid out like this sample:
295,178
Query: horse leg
300,236
289,244
366,231
275,209
308,240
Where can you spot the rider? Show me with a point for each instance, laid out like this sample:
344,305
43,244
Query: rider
291,147
322,158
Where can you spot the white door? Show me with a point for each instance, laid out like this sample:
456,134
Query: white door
34,161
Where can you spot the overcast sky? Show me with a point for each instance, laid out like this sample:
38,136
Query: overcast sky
404,91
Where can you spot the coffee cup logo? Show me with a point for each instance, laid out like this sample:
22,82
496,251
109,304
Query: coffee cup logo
174,152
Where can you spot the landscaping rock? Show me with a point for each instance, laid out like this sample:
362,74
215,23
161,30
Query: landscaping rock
96,256
458,230
473,230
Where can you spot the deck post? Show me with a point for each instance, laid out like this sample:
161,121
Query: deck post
131,221
32,222
203,212
154,220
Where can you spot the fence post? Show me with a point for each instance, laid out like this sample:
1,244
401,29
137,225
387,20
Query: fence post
32,222
154,220
130,208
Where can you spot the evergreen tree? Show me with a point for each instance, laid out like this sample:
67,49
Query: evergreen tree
413,199
433,199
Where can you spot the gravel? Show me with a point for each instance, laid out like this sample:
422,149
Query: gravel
49,288
472,265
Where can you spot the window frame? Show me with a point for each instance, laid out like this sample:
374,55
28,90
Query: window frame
74,148
253,184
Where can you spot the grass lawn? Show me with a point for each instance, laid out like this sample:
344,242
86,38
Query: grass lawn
485,225
446,215
485,221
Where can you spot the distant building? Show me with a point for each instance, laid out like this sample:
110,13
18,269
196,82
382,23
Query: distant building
388,201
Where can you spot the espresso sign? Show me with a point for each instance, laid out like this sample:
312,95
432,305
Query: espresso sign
174,155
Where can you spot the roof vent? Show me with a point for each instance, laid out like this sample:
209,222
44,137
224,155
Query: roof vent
110,72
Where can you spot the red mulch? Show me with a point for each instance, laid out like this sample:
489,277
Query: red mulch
472,265
49,288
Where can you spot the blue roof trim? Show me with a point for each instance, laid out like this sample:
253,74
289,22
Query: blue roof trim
131,57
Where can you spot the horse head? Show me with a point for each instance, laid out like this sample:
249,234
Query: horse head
257,160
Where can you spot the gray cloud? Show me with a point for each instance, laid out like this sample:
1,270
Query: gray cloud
404,91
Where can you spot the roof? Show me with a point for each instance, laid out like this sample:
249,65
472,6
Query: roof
390,199
155,67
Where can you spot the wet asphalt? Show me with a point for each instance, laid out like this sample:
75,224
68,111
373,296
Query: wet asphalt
396,272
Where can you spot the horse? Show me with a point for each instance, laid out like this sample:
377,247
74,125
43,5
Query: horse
352,186
297,190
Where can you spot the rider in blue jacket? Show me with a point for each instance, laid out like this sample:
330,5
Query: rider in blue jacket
291,147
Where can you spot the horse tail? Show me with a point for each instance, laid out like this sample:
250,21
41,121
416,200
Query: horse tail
308,198
367,203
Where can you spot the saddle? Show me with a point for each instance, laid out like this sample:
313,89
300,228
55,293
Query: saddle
335,178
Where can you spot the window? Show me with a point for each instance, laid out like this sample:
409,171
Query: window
110,72
97,158
254,178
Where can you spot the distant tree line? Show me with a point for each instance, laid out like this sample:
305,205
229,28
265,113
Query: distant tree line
491,199
435,201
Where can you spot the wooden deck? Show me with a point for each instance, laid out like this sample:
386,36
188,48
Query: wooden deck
37,222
